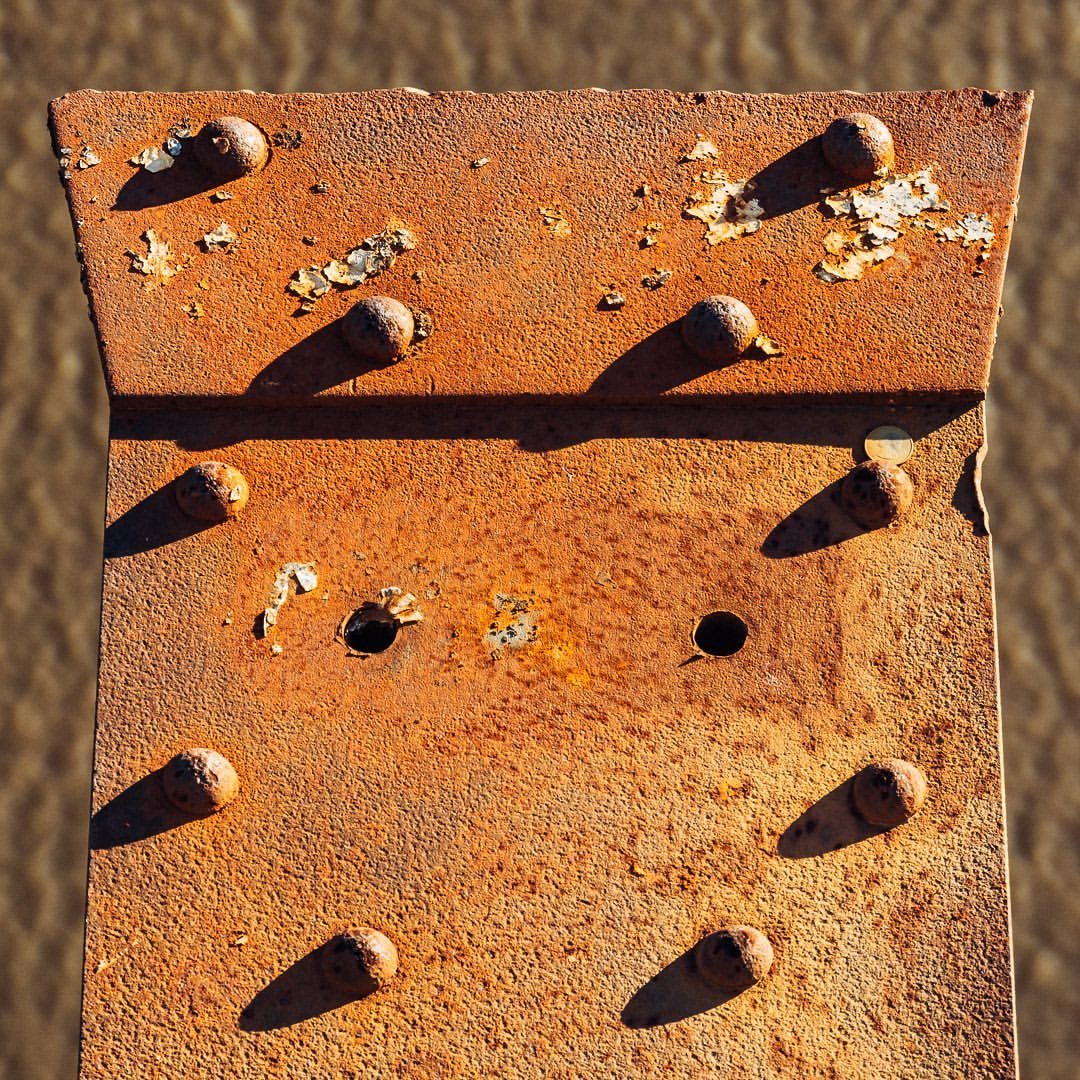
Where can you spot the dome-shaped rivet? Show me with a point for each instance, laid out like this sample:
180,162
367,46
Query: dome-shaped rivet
719,329
876,493
378,329
211,491
360,962
200,781
231,147
890,792
859,146
733,958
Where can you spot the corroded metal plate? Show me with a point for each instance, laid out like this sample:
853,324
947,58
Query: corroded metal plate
544,793
515,255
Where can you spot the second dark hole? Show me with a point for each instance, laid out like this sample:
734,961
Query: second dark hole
720,633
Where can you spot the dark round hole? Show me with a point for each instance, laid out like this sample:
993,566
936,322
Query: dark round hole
720,633
370,632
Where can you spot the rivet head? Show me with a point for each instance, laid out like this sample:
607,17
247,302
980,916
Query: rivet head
212,491
231,147
890,792
359,962
719,329
200,781
859,146
876,493
378,329
733,958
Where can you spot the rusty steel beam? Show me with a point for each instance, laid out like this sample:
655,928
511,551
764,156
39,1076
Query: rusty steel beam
548,626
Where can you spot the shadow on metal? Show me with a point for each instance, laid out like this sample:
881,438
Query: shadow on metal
830,824
152,523
535,424
185,179
297,994
794,180
966,497
317,362
137,813
656,364
818,523
675,993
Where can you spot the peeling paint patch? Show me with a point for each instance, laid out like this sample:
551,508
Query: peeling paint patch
370,257
703,150
402,605
873,218
971,229
367,260
153,159
850,256
306,578
555,220
763,345
728,209
157,262
87,159
423,324
309,285
652,230
223,238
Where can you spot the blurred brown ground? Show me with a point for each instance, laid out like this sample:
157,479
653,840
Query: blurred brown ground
52,402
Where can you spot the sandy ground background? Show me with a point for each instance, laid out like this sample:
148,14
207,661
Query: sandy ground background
53,409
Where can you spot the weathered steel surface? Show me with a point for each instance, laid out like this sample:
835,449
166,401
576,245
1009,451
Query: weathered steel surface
543,830
515,299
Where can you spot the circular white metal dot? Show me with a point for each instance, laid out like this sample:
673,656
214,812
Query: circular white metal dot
889,445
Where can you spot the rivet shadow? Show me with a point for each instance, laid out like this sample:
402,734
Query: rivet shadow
794,179
152,523
818,523
297,994
830,824
675,993
137,813
185,178
656,364
317,362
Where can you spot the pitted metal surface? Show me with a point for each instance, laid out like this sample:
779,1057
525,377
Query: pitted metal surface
542,790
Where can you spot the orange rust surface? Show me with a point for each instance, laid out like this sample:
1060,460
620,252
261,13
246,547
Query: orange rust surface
514,304
544,832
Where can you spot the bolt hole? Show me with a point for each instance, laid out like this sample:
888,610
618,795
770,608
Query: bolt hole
720,633
370,629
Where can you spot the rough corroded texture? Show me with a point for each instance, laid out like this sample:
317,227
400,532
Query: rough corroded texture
543,793
516,299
